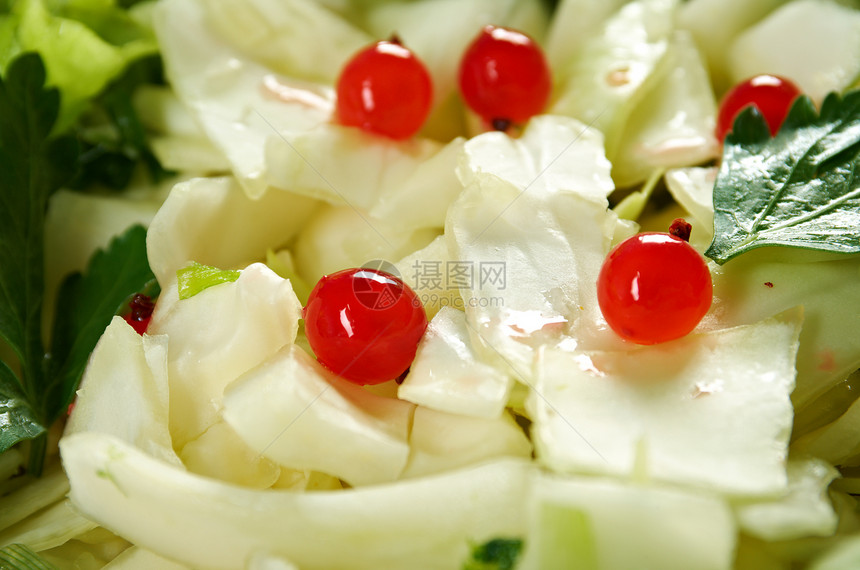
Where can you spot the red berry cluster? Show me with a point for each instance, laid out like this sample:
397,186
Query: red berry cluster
385,89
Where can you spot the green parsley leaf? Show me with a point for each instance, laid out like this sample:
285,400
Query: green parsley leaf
496,554
800,188
196,277
34,166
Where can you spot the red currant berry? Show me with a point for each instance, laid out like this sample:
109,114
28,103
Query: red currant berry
141,312
772,95
654,287
364,324
504,76
386,90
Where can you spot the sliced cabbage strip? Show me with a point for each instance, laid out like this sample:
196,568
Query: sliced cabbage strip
209,524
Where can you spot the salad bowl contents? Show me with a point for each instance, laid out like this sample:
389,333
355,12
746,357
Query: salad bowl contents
412,303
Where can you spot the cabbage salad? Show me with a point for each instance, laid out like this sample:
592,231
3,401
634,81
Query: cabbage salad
526,434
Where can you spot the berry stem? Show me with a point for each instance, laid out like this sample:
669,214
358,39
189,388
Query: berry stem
681,229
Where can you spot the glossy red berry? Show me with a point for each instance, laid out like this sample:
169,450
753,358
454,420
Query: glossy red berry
504,76
364,324
141,312
654,287
772,95
384,89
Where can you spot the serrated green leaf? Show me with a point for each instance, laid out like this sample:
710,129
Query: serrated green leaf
26,116
800,188
86,305
34,166
197,277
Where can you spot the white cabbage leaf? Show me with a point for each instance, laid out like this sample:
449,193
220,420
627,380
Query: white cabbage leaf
147,501
837,442
424,271
217,335
715,23
176,139
642,82
213,222
336,238
293,411
573,23
51,527
28,501
844,556
78,224
408,184
554,154
240,102
442,442
710,410
614,70
693,189
528,241
587,522
277,34
220,453
805,509
448,376
825,61
124,391
771,280
137,558
673,125
275,128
